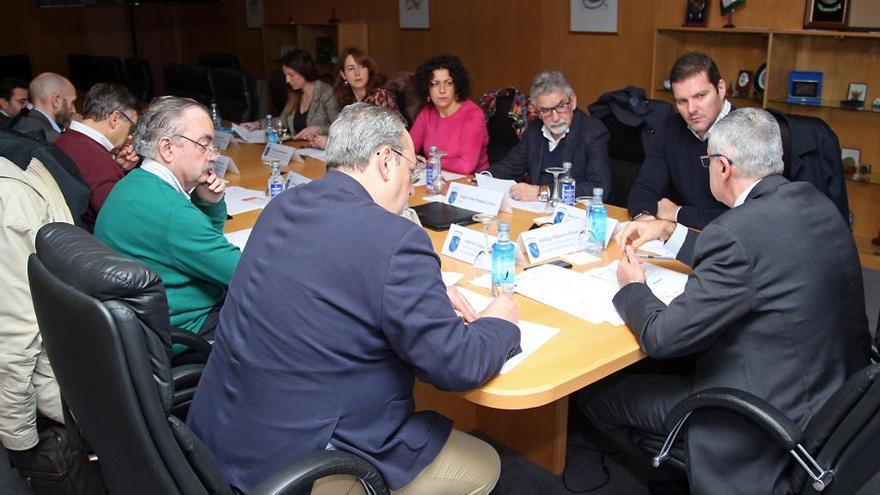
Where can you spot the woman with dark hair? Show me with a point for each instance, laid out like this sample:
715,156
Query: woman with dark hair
311,103
450,121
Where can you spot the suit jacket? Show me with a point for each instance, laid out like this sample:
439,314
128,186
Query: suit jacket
336,306
774,306
322,110
586,146
97,166
5,121
37,125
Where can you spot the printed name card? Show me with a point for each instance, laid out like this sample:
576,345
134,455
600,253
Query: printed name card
466,245
566,213
223,164
552,241
294,179
222,139
256,137
281,153
501,185
472,198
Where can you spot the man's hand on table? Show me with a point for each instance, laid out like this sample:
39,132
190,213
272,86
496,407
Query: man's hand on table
630,269
461,305
641,231
502,307
522,191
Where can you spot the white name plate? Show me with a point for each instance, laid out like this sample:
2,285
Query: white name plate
501,185
474,198
222,139
566,213
552,241
466,245
224,164
281,153
258,136
294,179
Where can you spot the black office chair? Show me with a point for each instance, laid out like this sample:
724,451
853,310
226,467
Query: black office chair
236,95
139,78
837,454
190,81
16,67
112,366
875,342
502,136
86,70
220,60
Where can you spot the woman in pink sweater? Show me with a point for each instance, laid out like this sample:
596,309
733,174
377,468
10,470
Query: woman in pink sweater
450,121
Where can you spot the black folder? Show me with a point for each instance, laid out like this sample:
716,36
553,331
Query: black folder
439,216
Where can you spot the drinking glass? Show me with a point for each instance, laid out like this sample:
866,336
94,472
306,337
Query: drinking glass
556,171
584,235
484,256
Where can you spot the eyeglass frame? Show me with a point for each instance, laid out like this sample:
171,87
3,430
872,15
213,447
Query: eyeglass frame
562,106
122,112
706,160
210,150
417,170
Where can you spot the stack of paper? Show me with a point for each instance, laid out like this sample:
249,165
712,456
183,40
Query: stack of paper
240,200
239,238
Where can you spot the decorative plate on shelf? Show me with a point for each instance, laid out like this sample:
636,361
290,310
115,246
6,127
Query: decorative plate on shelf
761,79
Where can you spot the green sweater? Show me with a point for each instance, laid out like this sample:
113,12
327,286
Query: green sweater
145,218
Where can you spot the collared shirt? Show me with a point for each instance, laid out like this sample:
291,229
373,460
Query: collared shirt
553,143
6,114
162,172
676,240
51,120
92,133
725,109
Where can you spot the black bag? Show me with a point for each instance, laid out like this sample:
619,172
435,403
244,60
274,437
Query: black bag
57,465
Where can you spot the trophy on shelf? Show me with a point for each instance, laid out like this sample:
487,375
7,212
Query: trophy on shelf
728,7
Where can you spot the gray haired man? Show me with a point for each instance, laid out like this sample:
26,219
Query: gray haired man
568,135
774,306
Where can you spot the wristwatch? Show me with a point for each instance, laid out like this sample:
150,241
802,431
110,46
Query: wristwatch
543,192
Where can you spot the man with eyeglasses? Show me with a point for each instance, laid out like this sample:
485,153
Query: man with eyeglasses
337,306
774,306
169,213
100,146
568,135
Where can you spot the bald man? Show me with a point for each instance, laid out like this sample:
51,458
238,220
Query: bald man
52,96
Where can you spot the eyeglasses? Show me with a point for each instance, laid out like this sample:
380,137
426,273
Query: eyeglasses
127,118
210,150
559,108
706,160
417,170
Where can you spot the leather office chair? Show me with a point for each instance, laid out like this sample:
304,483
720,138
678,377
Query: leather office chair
236,94
220,60
843,436
16,67
190,81
279,92
139,78
113,370
86,70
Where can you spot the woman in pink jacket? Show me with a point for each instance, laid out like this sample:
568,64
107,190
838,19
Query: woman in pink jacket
450,121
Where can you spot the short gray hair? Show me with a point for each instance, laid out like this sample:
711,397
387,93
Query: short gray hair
548,82
105,98
360,130
163,118
750,139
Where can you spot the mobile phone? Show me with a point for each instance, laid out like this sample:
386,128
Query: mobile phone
563,264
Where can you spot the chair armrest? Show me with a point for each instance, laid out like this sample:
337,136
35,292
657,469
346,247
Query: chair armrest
306,470
757,410
191,340
186,375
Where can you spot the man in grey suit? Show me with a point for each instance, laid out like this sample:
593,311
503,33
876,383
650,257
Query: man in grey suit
774,306
53,96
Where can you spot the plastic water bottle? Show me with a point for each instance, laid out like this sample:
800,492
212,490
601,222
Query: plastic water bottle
566,185
597,218
271,137
433,171
503,262
215,116
276,183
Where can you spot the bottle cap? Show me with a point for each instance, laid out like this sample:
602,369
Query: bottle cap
566,165
597,191
503,227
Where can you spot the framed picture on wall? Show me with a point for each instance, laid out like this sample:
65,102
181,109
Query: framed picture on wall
593,16
826,14
857,92
415,14
696,13
849,158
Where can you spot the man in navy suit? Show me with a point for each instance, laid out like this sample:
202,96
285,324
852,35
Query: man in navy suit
336,307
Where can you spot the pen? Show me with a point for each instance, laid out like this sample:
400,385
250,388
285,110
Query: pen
655,256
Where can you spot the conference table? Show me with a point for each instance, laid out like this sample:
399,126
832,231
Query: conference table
525,409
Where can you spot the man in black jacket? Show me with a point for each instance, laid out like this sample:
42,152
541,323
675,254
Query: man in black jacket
568,135
13,99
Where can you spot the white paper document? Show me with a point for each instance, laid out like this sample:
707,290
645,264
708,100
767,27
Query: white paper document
656,247
238,238
451,278
575,293
451,176
255,137
240,200
666,284
314,153
294,179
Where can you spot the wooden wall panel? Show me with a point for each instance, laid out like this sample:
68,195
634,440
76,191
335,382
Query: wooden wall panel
779,14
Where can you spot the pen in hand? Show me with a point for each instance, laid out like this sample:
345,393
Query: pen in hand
651,256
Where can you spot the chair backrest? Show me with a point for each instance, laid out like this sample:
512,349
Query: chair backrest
235,94
220,60
502,137
16,67
104,322
191,81
278,92
139,78
86,70
844,435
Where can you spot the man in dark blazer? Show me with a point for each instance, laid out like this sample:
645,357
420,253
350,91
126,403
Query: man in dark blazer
568,135
52,96
13,99
774,306
336,306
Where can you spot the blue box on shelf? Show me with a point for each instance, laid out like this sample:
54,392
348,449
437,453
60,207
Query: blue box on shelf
804,87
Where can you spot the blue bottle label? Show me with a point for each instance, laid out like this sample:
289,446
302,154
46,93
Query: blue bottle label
275,189
568,193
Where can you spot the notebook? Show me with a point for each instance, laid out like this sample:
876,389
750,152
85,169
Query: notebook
439,216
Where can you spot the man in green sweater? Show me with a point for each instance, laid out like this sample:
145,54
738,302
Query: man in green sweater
170,212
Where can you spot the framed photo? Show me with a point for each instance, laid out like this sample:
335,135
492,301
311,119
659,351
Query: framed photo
593,16
857,92
696,13
728,6
415,14
827,14
849,159
743,83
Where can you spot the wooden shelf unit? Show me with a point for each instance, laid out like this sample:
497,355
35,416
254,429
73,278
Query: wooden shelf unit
842,57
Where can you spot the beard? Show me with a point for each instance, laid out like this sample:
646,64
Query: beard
62,117
558,128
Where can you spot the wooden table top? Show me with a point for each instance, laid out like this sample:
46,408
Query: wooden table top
580,354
